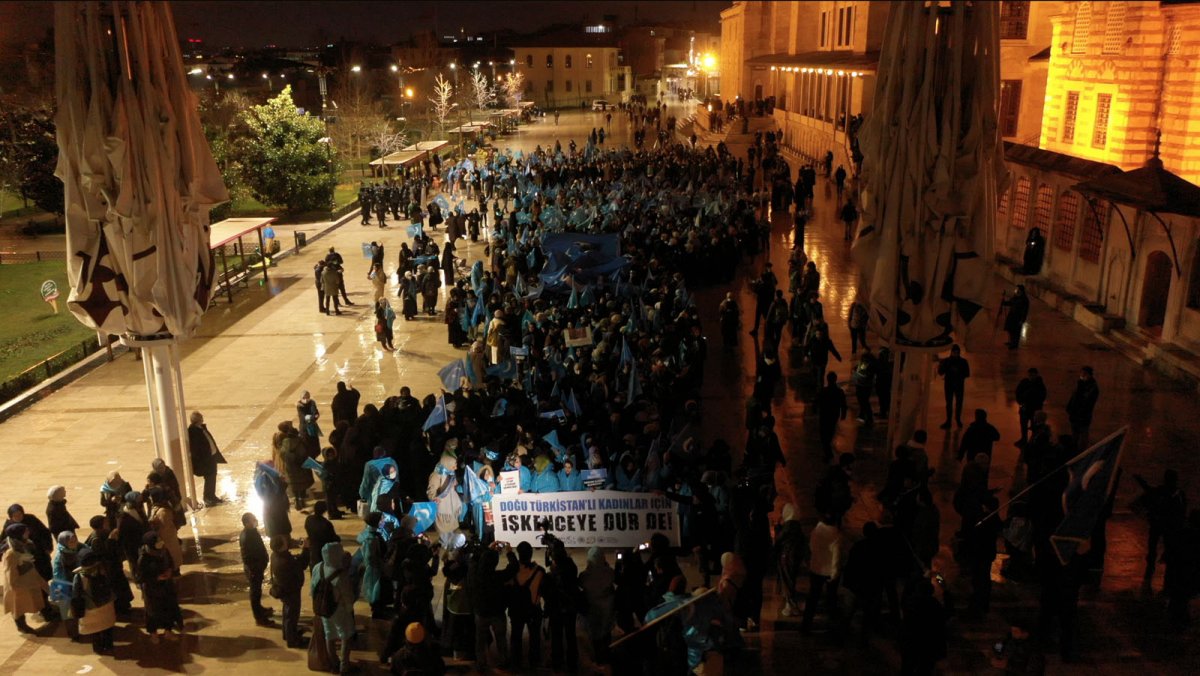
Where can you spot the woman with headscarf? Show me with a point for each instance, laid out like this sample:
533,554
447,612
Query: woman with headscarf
378,280
386,486
162,520
154,573
791,553
307,406
92,601
58,519
385,318
131,527
339,626
271,488
373,583
430,285
729,587
545,479
441,488
597,581
66,559
290,454
409,289
24,588
112,495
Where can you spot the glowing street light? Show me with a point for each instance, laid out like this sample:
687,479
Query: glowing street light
355,69
195,71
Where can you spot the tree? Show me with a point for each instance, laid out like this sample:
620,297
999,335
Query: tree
482,94
514,88
359,120
221,116
28,154
440,103
384,141
286,158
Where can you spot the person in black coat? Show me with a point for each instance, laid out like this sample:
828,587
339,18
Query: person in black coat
1031,397
345,404
254,563
57,516
1081,405
287,579
104,544
1018,312
319,531
205,457
831,408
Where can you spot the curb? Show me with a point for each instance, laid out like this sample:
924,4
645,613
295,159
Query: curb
97,359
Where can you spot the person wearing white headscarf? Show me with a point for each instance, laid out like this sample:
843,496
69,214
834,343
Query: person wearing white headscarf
58,519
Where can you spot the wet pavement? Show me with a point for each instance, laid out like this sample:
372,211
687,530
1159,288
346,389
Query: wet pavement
253,359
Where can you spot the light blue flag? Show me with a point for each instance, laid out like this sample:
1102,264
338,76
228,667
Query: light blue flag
425,513
587,297
315,466
415,230
505,370
440,200
437,416
626,353
452,374
572,404
635,388
477,488
573,301
519,286
551,438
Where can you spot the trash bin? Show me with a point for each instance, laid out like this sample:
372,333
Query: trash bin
301,239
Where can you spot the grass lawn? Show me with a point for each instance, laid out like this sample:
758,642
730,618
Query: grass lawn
11,206
344,194
31,331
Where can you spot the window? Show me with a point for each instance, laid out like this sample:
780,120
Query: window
1042,207
1114,28
587,86
1193,289
549,60
1069,113
529,86
587,62
1010,106
1100,131
1091,237
1002,210
1014,20
568,85
1064,220
824,28
1020,216
1083,25
549,85
567,61
1174,40
529,60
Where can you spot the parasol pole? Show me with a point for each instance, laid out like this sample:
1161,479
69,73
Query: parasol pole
152,400
188,480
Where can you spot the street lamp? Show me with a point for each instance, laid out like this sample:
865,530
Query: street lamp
355,69
454,69
270,82
493,65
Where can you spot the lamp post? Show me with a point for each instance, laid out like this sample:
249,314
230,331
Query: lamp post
270,82
493,65
454,69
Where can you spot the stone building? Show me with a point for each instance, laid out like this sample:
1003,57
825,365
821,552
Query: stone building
572,68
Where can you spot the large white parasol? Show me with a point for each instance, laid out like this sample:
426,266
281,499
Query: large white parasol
932,159
139,181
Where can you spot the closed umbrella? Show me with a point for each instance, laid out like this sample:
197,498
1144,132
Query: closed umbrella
139,180
932,159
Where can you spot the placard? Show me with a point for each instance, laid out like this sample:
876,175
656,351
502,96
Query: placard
597,518
579,337
594,478
510,482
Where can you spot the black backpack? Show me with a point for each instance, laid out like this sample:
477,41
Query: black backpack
325,596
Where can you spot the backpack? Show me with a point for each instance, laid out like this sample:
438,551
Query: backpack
325,596
521,603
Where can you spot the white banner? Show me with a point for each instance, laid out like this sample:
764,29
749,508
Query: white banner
586,518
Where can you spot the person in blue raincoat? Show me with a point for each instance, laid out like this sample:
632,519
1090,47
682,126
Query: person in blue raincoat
371,556
526,477
386,485
371,473
545,479
335,567
66,560
629,477
569,478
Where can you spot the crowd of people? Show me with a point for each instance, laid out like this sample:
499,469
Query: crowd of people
585,351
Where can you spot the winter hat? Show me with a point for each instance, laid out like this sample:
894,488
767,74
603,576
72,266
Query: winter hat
16,530
133,497
56,493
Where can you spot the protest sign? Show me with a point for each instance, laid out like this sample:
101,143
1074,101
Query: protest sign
594,478
584,519
579,337
510,482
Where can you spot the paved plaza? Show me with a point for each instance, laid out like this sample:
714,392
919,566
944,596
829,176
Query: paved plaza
254,358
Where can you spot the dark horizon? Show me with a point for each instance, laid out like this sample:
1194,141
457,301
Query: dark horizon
306,23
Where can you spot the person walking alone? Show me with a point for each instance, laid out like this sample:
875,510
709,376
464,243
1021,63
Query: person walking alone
954,371
1081,406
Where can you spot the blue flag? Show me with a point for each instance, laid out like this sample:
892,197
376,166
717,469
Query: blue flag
626,353
505,370
315,466
415,230
440,200
587,297
452,374
572,404
635,388
1092,474
425,513
477,489
551,438
573,301
437,416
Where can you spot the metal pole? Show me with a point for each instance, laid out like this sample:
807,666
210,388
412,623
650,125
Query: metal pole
189,478
152,398
262,246
159,353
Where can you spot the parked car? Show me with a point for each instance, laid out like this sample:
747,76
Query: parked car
599,104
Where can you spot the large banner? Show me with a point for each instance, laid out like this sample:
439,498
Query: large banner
586,518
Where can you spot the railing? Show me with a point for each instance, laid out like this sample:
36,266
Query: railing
32,257
46,368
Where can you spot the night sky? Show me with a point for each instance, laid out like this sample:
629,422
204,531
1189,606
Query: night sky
254,24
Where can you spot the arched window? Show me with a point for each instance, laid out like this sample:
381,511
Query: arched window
1064,220
1020,217
1002,211
1042,207
1091,236
1114,27
1083,27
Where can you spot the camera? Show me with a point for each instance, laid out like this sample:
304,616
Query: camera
546,538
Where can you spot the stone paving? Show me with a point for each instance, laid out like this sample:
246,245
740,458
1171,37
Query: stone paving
253,358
